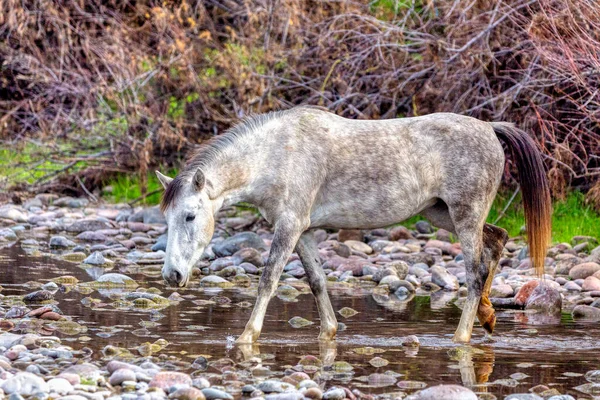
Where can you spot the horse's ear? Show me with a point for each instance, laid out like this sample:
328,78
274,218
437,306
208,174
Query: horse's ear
164,180
199,180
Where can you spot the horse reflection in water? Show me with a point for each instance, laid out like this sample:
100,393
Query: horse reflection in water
306,168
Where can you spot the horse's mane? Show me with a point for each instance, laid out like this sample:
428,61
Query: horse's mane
210,151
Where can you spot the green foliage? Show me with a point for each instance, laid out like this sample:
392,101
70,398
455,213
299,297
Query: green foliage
570,218
32,162
126,188
390,9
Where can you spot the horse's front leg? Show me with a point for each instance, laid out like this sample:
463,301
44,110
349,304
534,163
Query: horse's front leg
287,231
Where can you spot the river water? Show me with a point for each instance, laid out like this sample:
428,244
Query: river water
523,352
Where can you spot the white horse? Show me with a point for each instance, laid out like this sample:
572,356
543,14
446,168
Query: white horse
306,168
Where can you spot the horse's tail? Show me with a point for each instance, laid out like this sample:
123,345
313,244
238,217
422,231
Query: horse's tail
534,187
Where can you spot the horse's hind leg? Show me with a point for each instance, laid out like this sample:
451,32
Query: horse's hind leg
469,220
494,239
309,255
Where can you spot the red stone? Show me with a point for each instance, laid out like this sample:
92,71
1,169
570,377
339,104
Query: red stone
525,292
52,316
166,379
38,312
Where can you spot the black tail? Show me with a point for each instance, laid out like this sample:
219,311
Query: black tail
534,187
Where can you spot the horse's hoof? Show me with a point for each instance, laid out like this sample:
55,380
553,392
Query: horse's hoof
327,335
489,323
487,318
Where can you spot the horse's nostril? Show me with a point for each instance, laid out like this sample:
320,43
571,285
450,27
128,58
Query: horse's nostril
177,277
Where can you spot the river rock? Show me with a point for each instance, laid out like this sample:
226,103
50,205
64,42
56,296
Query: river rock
150,215
96,258
591,283
446,392
13,214
502,291
524,293
350,234
247,255
38,296
215,394
190,393
239,241
85,225
400,233
586,312
121,375
60,386
334,394
545,299
115,279
166,379
61,242
359,246
274,386
161,243
90,236
584,270
25,384
214,280
423,227
441,277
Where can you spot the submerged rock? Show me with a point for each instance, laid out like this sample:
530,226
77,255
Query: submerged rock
441,277
545,299
299,322
586,312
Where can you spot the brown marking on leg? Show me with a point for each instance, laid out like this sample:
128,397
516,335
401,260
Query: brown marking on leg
494,239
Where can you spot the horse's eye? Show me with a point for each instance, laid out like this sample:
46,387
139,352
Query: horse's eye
190,218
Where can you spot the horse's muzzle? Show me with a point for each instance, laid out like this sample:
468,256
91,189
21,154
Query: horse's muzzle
176,278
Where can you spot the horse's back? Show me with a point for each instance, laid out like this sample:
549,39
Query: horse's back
378,172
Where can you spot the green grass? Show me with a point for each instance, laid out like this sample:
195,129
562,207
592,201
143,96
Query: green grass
126,188
571,217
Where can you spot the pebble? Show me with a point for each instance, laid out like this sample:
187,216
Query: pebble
214,394
445,392
121,375
24,384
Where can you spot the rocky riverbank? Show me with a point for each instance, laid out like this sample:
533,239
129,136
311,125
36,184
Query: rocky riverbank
396,264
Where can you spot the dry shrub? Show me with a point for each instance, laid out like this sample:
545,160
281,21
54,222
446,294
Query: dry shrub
155,78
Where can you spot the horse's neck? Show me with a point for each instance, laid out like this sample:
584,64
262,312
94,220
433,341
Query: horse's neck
232,174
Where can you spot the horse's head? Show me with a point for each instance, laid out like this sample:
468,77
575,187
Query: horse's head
190,215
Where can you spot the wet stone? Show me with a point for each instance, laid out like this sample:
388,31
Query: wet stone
95,258
215,394
61,242
166,379
334,394
38,297
299,322
25,384
189,393
446,392
122,375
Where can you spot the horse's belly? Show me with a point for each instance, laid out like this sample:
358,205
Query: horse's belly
367,212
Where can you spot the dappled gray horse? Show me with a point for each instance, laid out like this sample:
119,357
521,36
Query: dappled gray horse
306,168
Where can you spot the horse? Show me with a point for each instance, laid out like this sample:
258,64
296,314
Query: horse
306,168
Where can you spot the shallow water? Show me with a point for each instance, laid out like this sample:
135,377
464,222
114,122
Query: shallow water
556,354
